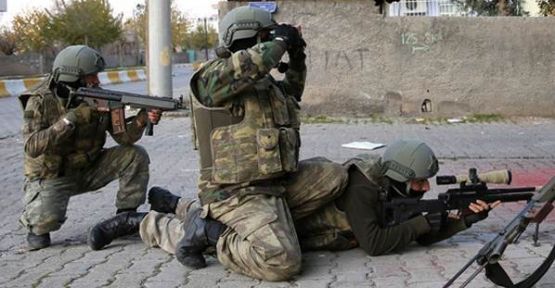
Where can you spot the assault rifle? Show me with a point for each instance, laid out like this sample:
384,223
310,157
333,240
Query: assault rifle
115,101
472,187
488,257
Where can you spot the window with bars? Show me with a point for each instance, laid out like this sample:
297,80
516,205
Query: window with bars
425,8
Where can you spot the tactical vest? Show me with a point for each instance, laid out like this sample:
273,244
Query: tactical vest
82,148
253,137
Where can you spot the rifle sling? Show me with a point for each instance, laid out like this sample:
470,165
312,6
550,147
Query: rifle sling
497,274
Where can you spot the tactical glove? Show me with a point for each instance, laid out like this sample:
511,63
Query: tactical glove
290,35
80,115
475,217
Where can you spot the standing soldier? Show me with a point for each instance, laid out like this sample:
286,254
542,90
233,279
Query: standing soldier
252,186
64,147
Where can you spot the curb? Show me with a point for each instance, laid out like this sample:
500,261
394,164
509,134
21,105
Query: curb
14,87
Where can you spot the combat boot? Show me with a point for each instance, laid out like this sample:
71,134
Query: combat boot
37,242
122,224
200,234
162,200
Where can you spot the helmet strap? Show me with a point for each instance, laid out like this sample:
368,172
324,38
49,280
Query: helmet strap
63,92
402,194
398,188
407,188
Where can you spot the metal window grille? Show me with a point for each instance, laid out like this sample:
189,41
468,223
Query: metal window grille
425,8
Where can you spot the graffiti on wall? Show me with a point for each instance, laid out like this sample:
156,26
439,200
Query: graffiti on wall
419,42
340,59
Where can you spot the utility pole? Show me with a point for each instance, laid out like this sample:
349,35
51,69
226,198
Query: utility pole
159,48
205,39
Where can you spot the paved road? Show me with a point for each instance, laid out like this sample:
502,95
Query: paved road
527,147
524,147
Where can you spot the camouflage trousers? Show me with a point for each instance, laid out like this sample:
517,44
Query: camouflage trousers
261,241
46,200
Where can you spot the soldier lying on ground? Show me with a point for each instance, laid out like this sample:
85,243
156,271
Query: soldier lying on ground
351,220
64,147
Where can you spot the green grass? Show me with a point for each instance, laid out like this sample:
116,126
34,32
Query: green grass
474,118
485,118
378,118
324,119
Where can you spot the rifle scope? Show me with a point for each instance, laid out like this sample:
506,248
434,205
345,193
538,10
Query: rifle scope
495,177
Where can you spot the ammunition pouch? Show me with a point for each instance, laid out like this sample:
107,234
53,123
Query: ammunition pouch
266,154
254,137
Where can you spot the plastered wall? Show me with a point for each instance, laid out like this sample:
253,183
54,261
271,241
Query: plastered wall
361,63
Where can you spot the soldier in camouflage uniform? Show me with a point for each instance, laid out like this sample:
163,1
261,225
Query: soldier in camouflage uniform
251,184
351,220
354,218
253,191
64,147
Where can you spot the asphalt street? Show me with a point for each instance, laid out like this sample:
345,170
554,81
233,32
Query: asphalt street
526,146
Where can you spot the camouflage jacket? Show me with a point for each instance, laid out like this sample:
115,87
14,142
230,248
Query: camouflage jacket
221,80
361,203
245,122
53,148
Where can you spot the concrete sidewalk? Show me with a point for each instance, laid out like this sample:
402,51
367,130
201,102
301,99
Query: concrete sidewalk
528,148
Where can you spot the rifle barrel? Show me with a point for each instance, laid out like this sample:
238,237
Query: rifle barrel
96,94
131,99
457,198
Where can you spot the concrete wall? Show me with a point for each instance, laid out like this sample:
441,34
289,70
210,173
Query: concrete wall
361,63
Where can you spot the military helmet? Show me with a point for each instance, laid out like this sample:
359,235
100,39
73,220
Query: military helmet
243,23
76,61
405,160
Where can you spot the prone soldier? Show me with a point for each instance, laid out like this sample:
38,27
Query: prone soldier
353,219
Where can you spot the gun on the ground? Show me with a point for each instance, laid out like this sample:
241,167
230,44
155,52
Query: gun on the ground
488,257
472,187
115,101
